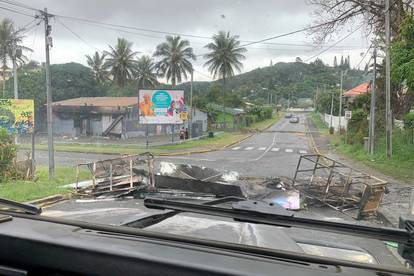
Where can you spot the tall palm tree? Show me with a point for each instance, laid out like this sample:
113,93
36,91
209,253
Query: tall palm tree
121,61
225,55
98,67
175,55
145,73
10,44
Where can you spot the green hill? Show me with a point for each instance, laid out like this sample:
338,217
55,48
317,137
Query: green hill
283,80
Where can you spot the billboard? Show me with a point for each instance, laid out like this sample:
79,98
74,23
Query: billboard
17,116
161,106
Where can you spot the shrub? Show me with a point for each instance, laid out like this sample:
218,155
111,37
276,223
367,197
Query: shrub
7,154
357,127
409,124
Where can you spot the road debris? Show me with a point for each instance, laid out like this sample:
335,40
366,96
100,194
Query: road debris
339,186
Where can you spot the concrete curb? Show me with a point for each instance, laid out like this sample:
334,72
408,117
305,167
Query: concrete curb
49,200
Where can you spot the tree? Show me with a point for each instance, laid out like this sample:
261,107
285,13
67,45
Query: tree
145,74
121,61
342,62
402,68
334,15
225,55
175,56
98,67
10,44
335,63
298,59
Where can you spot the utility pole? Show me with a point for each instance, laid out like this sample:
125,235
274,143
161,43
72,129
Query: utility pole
388,112
15,80
191,104
332,101
340,101
48,44
372,107
15,55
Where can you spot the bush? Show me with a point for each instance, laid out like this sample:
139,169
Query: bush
7,154
261,113
357,127
409,124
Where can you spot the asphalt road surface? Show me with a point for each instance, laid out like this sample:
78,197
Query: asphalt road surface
274,152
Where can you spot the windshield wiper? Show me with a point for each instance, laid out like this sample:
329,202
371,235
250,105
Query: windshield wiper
271,214
149,220
23,207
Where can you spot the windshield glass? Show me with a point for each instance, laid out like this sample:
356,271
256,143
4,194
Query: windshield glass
105,104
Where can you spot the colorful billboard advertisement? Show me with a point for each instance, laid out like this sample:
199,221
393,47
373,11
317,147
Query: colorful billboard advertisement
161,106
17,116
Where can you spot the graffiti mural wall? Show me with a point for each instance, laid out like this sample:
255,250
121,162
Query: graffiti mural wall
17,116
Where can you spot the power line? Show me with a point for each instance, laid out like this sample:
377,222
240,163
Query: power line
16,11
366,53
339,41
18,4
76,35
247,42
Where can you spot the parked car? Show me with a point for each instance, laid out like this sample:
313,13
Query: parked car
294,119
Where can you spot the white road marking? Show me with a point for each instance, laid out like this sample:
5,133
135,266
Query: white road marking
303,152
249,148
262,148
267,150
236,148
288,150
275,149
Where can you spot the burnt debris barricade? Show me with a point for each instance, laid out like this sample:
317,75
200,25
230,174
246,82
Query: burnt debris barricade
118,176
338,186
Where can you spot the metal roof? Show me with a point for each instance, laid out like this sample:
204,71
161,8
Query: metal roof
99,101
359,90
228,110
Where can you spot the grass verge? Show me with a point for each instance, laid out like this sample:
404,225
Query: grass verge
23,191
399,166
195,145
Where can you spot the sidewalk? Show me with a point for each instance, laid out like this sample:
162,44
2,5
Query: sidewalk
394,204
153,140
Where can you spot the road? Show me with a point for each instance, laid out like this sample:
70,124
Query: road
274,152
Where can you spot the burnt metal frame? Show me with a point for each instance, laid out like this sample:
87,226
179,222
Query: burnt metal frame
149,159
346,205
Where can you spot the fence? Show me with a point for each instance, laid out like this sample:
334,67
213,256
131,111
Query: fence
335,121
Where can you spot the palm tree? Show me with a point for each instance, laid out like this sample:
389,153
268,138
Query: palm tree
224,56
175,55
121,61
98,67
145,73
10,46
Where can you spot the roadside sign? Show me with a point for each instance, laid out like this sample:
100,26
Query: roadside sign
348,114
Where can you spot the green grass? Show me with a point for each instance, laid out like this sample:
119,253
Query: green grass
24,191
319,123
399,166
217,142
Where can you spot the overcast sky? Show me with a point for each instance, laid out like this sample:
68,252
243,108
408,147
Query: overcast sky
251,20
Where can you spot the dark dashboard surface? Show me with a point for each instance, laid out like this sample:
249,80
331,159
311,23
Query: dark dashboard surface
46,247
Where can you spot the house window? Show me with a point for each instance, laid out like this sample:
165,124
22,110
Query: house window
76,123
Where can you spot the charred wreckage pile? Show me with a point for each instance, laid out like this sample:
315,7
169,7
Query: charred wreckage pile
318,180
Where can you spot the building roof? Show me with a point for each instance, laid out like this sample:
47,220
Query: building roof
99,101
227,110
363,88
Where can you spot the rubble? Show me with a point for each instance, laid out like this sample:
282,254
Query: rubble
339,186
318,178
